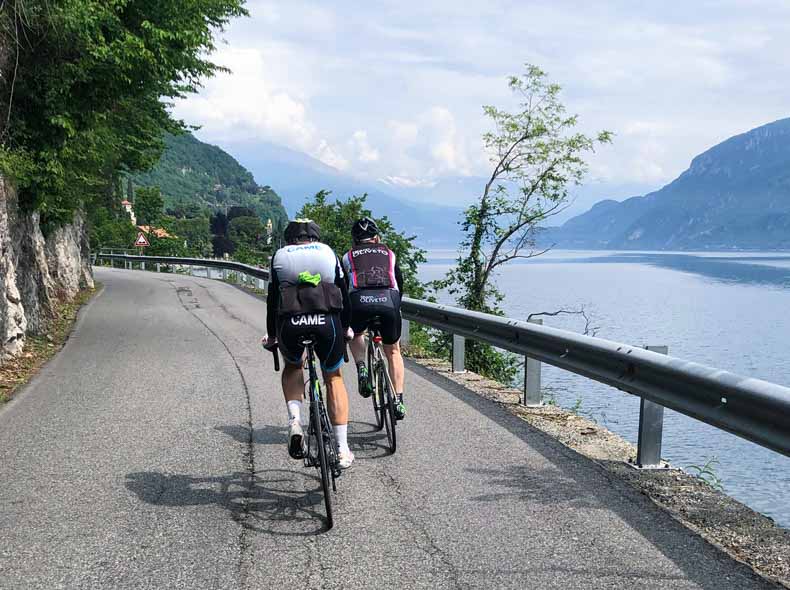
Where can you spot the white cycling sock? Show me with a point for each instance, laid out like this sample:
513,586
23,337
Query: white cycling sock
295,410
341,436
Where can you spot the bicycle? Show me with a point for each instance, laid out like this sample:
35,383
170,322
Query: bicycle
383,396
321,445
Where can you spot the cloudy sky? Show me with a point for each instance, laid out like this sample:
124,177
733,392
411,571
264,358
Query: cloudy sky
394,89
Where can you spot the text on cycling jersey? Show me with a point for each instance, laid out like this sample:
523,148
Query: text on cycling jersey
372,250
374,299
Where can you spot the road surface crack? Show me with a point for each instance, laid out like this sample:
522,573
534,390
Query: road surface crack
241,516
423,538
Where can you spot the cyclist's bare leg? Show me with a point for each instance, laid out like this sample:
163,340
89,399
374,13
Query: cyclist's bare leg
293,389
337,405
337,398
395,361
293,382
358,348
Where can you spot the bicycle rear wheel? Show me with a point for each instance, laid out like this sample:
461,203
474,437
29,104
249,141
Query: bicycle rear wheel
323,461
388,408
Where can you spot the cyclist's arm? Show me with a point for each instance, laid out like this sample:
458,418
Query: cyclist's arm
399,278
340,281
272,303
346,268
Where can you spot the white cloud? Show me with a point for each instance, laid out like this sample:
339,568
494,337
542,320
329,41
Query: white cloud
247,104
362,149
388,89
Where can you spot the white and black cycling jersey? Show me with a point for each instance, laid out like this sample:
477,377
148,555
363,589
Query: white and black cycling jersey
315,258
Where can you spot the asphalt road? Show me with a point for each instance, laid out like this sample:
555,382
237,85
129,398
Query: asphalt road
150,453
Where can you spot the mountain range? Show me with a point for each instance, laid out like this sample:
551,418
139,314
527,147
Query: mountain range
297,177
736,195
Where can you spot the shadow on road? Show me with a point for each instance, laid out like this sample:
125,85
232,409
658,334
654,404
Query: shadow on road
274,501
265,435
366,441
535,485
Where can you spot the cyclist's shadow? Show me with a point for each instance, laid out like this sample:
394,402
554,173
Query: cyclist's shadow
367,441
274,501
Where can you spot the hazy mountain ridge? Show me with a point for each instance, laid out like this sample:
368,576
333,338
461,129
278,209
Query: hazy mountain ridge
734,195
297,177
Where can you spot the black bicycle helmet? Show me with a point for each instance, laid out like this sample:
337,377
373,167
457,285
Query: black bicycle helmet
364,229
302,230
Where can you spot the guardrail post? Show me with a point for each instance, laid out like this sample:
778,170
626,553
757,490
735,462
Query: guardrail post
459,347
158,267
533,397
651,427
405,333
142,266
224,274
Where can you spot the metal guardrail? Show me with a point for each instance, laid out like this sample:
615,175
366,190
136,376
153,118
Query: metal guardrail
750,408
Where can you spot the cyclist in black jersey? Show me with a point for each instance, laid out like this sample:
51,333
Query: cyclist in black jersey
375,284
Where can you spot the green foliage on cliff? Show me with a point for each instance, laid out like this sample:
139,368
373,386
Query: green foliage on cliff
196,177
84,90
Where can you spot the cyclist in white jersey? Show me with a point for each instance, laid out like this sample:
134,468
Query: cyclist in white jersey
308,295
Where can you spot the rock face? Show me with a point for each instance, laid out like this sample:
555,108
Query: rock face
36,272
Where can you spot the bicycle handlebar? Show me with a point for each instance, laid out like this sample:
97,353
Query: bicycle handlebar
275,354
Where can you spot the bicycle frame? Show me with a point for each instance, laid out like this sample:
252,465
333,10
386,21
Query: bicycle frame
317,405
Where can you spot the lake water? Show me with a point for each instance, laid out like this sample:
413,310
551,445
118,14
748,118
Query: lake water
722,309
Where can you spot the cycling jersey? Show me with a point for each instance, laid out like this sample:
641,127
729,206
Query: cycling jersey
371,265
375,283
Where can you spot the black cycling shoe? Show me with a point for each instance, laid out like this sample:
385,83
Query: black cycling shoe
400,408
363,381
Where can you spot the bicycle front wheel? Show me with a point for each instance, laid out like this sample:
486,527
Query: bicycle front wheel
388,409
323,462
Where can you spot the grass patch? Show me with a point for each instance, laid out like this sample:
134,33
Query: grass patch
38,350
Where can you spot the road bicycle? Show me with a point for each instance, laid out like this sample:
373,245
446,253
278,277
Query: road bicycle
321,445
381,382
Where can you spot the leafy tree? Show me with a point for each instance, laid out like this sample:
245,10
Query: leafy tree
111,229
219,224
193,232
148,205
237,211
83,91
536,155
246,230
336,219
221,245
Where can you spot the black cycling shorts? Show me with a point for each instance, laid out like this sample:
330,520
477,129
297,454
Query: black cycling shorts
384,304
326,331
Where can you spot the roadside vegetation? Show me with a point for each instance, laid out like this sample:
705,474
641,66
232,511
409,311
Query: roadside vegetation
86,86
536,154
